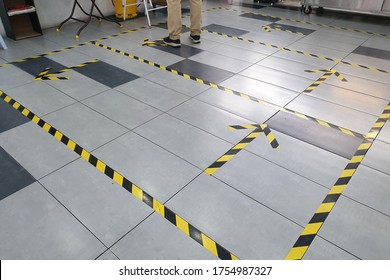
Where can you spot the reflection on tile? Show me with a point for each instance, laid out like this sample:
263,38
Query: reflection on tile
372,52
13,177
33,210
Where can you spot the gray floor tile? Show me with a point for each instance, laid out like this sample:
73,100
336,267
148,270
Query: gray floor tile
107,256
238,53
16,52
9,117
95,52
255,47
11,71
78,86
378,157
36,150
351,226
384,135
177,83
260,17
121,108
230,218
153,94
188,142
259,89
70,58
212,119
153,169
225,30
290,66
36,226
220,61
202,71
351,99
375,183
321,249
301,158
292,196
168,243
13,176
35,66
286,80
368,61
372,52
378,42
362,73
359,84
157,56
184,51
253,111
342,116
103,206
40,97
107,74
295,29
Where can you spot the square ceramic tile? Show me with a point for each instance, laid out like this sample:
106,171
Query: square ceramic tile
378,157
86,127
35,226
11,71
372,52
35,149
294,29
384,135
107,256
150,167
321,249
358,229
166,243
184,51
153,94
101,205
13,176
238,53
190,143
9,117
121,108
225,30
229,217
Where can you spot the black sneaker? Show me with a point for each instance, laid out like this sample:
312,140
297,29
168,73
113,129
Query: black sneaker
173,43
195,39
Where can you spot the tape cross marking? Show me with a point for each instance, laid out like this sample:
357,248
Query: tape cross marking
156,205
258,129
237,93
299,52
267,28
45,75
312,228
323,78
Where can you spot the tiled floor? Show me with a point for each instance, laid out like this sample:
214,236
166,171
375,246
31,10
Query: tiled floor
161,130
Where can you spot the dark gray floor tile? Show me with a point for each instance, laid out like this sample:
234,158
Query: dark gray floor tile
9,117
184,51
164,25
107,74
36,66
326,138
225,30
372,52
256,6
202,71
13,177
260,17
285,27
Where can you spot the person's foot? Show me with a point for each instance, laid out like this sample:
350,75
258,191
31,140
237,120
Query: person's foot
195,39
173,43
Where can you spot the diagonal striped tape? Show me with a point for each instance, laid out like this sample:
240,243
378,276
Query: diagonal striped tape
190,230
268,28
313,227
323,78
258,129
234,92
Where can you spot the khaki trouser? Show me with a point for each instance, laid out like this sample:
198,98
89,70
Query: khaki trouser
174,18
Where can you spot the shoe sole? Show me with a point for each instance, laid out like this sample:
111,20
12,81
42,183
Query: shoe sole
195,41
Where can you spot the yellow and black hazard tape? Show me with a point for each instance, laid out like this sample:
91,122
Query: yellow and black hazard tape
44,75
323,78
310,23
258,129
191,231
312,228
158,42
299,52
234,92
267,28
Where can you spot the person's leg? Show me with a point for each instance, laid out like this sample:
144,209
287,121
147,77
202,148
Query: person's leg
174,19
196,16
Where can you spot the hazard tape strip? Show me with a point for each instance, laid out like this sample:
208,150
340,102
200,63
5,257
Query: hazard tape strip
309,23
299,52
258,129
45,75
191,231
311,230
267,28
237,93
323,78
